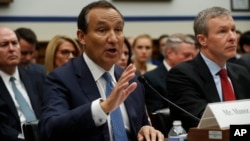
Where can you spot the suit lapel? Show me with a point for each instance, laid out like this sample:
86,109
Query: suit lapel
27,82
118,72
163,72
235,81
85,78
7,98
210,92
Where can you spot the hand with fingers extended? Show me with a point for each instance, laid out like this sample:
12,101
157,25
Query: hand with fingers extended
120,91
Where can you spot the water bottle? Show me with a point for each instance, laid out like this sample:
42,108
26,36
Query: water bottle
177,132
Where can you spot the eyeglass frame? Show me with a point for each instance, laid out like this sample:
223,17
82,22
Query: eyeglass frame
66,53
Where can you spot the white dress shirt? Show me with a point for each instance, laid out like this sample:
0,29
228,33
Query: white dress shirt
20,87
99,116
214,69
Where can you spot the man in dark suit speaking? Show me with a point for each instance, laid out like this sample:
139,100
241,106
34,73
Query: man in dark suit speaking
80,103
194,84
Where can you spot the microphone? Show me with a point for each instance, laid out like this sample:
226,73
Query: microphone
143,80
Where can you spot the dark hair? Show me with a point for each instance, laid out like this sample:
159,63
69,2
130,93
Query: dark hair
82,22
26,34
244,40
129,51
163,36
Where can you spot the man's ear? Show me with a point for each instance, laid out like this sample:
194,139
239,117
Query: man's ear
169,52
202,40
80,36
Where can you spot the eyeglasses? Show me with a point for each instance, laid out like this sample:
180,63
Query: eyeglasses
66,53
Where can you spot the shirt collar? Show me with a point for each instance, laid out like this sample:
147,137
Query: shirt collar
96,70
6,77
212,66
166,65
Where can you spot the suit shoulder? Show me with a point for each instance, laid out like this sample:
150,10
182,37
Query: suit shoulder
157,71
188,65
71,65
245,57
237,67
30,72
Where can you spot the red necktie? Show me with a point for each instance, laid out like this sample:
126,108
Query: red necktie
227,90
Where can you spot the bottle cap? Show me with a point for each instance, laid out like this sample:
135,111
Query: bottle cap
177,122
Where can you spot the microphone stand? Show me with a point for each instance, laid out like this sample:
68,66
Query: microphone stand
144,81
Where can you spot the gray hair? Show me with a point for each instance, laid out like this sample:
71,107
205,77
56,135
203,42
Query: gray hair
200,22
174,40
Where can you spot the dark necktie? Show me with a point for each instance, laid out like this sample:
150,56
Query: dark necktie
227,90
119,132
25,108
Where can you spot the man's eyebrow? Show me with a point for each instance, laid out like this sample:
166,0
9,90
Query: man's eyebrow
102,22
120,22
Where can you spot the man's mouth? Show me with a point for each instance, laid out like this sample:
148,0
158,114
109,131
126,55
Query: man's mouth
112,50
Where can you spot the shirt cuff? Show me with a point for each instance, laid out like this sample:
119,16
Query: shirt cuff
99,116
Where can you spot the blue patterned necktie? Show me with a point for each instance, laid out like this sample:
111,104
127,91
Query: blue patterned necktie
25,108
118,128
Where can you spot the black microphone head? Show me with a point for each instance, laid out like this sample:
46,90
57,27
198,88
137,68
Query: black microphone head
141,78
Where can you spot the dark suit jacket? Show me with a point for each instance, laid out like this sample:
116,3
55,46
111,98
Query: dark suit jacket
9,120
191,86
157,79
37,67
244,60
69,91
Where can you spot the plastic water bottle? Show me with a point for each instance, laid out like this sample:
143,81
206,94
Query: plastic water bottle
177,132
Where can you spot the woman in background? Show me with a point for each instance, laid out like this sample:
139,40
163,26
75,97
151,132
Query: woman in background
142,52
125,59
60,50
